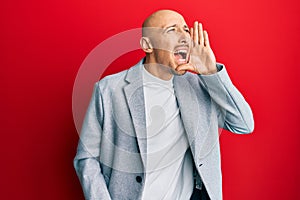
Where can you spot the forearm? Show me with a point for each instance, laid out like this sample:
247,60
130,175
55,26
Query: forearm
235,111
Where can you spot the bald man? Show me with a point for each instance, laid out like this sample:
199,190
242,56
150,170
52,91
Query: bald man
152,132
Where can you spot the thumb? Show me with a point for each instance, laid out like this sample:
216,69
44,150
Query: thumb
186,67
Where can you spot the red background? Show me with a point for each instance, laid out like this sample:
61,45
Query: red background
43,44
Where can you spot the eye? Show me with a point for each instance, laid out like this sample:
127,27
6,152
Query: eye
187,30
170,30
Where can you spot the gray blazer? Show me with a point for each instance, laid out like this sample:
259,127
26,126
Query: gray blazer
112,149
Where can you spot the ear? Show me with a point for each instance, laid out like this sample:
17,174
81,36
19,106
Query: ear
146,45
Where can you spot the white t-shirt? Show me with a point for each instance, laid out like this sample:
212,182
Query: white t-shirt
169,165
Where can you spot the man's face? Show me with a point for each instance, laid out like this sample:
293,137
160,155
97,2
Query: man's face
171,42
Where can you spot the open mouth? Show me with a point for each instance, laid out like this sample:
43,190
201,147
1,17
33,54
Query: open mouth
181,56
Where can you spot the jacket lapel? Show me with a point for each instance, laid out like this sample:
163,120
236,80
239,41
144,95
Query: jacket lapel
135,99
195,109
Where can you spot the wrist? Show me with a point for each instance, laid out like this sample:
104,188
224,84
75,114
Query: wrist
210,70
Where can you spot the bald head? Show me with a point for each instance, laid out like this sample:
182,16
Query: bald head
160,18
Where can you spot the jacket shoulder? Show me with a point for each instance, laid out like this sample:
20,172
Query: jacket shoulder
110,81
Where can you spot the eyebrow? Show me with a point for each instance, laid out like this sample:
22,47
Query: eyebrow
185,26
171,26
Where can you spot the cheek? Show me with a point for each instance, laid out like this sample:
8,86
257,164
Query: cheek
166,58
163,46
164,54
169,57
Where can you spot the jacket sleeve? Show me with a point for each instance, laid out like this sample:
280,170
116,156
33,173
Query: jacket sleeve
87,159
234,113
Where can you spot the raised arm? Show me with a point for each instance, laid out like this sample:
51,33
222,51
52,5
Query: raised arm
235,114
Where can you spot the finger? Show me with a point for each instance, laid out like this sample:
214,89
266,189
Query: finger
192,33
201,37
195,33
185,67
206,40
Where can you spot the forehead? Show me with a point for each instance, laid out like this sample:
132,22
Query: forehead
172,20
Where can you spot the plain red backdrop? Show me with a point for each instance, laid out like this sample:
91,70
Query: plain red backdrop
43,44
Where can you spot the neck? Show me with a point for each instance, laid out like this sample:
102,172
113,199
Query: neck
158,70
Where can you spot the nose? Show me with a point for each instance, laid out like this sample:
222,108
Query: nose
183,37
183,40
